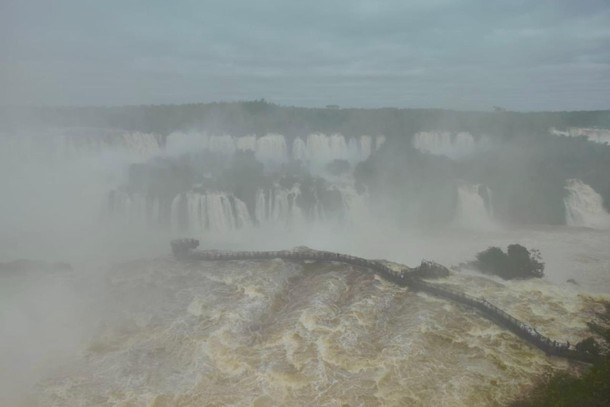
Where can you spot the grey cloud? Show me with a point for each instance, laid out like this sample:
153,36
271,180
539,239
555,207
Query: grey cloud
467,54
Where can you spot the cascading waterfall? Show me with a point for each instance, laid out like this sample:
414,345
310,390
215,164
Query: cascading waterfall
219,211
271,148
322,148
176,222
452,145
601,136
474,208
316,149
361,148
220,214
224,144
200,212
584,206
210,211
355,205
279,206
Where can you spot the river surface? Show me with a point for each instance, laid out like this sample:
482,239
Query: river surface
141,329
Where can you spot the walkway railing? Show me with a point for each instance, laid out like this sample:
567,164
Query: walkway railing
185,249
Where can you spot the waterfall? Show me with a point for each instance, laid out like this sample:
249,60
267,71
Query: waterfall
299,150
454,146
601,136
242,216
246,143
220,214
355,205
175,213
200,212
474,207
584,206
179,142
319,149
316,149
197,212
279,206
271,148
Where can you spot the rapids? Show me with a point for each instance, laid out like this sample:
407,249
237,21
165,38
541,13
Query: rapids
272,332
130,326
162,332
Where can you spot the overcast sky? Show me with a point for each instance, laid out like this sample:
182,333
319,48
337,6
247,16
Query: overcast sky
460,54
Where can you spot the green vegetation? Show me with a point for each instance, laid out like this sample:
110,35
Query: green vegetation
591,389
517,263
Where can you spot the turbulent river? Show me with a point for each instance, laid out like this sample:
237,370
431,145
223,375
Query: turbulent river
158,332
131,326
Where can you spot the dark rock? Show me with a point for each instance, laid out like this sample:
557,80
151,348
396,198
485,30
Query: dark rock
181,247
429,269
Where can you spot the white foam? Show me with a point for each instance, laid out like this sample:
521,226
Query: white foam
452,145
473,212
592,134
584,206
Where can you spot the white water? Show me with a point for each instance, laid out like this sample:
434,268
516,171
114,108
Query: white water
283,333
158,333
196,213
601,136
278,206
452,145
472,211
155,332
356,207
316,149
584,206
216,211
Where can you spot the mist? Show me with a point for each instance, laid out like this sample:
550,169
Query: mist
108,201
398,133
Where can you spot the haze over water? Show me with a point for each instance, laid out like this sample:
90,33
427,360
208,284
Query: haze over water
265,126
129,325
